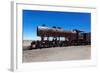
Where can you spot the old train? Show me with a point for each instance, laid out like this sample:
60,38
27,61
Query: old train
60,37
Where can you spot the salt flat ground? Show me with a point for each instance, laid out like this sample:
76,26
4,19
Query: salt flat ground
57,54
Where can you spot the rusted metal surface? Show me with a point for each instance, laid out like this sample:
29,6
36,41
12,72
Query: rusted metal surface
46,31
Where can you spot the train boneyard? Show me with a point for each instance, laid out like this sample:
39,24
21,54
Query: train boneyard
70,37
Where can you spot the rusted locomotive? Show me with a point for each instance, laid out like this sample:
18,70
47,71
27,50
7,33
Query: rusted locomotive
72,37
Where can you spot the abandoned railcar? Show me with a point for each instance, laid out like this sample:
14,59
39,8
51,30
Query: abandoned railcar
71,37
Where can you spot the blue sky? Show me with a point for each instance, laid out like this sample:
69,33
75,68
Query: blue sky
65,20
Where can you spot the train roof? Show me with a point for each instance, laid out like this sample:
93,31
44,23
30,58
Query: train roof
45,28
47,31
